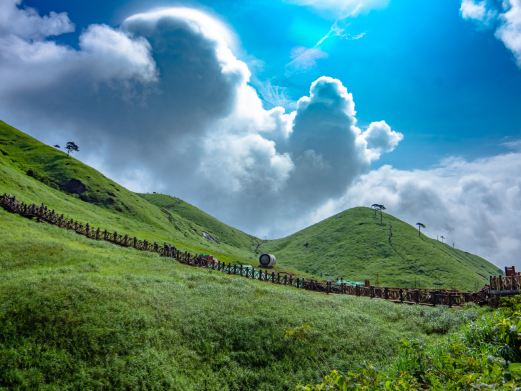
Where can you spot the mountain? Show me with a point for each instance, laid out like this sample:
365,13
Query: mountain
355,245
352,244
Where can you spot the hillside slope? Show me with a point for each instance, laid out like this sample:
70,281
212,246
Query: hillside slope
354,245
215,230
38,173
87,315
351,244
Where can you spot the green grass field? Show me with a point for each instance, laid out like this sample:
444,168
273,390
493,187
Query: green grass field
81,314
108,205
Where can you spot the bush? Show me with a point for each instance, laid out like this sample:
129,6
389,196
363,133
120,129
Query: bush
485,354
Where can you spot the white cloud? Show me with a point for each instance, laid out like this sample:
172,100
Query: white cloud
514,145
381,138
509,31
471,9
27,24
163,100
304,58
505,17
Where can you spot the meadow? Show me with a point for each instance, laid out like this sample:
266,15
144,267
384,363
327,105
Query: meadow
78,314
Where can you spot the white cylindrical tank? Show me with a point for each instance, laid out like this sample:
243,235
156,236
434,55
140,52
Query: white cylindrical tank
267,260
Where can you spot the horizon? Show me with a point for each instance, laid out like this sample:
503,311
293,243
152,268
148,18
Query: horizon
257,125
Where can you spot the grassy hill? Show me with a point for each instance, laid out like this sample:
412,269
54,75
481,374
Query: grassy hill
351,244
39,173
81,314
354,245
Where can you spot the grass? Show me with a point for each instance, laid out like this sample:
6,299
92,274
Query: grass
354,245
80,314
108,205
484,354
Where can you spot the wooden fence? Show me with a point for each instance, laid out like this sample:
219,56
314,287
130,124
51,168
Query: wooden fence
399,295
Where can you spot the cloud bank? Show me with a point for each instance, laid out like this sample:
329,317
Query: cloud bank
162,103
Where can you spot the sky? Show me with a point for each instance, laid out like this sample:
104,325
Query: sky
273,115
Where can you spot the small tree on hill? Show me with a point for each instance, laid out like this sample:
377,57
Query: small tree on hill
420,226
378,207
442,238
381,214
375,208
71,147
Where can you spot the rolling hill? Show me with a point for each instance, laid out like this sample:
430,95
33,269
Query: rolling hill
39,173
82,314
354,245
351,244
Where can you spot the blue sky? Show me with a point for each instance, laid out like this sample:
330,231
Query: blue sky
452,88
247,109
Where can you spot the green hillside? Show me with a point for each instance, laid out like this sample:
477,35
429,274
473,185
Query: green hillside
217,231
82,314
39,173
351,244
354,245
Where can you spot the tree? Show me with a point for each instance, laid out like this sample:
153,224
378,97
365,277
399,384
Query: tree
378,207
420,226
381,215
375,208
71,147
442,238
57,146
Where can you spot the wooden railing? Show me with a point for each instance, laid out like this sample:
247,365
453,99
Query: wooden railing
399,295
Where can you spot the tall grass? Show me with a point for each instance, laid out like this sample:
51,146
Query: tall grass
78,314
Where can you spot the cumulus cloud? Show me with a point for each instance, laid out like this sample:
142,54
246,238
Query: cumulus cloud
27,24
505,17
381,138
162,103
471,9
